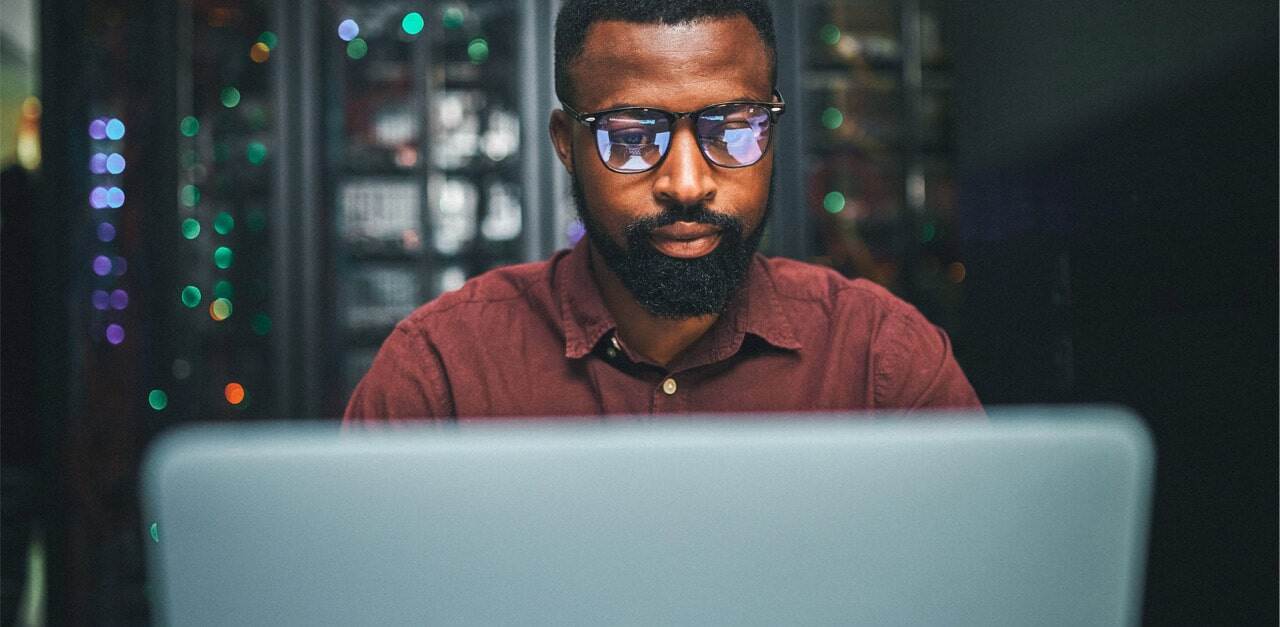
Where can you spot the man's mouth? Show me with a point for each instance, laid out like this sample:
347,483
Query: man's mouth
685,240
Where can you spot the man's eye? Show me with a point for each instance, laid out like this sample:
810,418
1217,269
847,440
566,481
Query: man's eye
633,138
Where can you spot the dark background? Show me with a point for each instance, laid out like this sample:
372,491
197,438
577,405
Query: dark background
1117,196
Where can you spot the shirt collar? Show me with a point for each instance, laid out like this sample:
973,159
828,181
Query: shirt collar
585,319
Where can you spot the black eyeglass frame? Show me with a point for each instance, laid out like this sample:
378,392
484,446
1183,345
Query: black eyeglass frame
591,121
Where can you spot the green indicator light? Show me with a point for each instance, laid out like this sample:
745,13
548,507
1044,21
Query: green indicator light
412,23
190,195
230,97
222,257
478,50
269,38
261,324
189,126
357,48
829,34
222,289
256,221
256,152
833,202
158,399
224,223
257,117
928,232
155,533
191,296
452,18
190,228
832,118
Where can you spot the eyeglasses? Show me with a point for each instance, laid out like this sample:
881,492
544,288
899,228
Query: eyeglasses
730,134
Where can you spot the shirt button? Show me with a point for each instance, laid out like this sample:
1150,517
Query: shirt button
669,386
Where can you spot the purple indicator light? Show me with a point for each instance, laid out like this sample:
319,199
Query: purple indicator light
98,198
118,266
115,163
106,232
98,129
114,129
100,299
115,333
115,197
98,163
101,266
119,299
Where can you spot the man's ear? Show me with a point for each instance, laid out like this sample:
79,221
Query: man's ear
561,128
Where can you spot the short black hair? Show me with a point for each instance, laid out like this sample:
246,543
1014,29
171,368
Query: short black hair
576,16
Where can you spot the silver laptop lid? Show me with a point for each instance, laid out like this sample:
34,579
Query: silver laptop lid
1035,517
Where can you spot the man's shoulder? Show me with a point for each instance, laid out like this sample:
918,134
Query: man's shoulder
806,283
519,286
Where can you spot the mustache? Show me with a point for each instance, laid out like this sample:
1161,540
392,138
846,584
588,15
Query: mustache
641,229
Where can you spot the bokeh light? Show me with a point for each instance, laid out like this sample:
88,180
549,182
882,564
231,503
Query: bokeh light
191,296
223,223
101,300
118,266
158,400
114,129
98,198
190,228
106,232
189,126
222,257
98,129
256,152
956,272
261,324
927,232
357,48
259,52
452,18
833,202
101,265
189,195
223,289
256,221
115,163
832,118
269,38
181,369
115,333
829,34
98,163
478,50
234,393
220,309
115,197
119,299
230,97
412,23
348,30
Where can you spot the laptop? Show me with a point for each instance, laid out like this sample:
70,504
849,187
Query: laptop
1036,516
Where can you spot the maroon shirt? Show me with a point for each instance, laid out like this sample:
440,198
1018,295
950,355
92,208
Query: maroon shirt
536,340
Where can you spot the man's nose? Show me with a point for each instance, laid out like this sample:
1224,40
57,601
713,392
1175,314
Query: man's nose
684,177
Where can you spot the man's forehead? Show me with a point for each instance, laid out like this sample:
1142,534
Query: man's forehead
671,65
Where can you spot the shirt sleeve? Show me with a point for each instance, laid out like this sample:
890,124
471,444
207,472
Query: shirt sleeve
915,368
407,381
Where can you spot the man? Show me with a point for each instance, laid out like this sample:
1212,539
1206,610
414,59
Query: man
667,126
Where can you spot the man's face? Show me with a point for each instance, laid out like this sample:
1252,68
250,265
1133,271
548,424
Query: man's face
679,236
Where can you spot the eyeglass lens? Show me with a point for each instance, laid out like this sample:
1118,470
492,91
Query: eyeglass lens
635,140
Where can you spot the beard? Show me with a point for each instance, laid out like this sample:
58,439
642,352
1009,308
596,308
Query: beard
667,287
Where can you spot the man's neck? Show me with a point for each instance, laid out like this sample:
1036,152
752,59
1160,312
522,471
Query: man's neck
658,339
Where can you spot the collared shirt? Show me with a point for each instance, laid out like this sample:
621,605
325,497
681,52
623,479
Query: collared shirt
536,340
